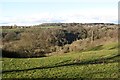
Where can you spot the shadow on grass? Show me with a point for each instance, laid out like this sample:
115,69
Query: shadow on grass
12,54
97,61
9,54
100,47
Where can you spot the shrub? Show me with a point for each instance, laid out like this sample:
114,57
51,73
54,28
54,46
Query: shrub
11,36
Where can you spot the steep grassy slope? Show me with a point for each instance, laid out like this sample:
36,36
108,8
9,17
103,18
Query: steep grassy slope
99,62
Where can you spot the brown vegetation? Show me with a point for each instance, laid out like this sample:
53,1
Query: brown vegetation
74,37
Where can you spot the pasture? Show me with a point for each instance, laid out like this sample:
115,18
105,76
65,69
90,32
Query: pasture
93,63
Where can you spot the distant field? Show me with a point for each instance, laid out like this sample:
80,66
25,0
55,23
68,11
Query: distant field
94,63
12,30
27,29
52,27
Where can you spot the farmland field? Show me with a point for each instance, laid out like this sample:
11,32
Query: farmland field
66,40
93,63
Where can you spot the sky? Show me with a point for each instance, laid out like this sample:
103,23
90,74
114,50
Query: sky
33,12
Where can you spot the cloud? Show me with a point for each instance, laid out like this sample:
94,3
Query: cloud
68,19
91,1
83,16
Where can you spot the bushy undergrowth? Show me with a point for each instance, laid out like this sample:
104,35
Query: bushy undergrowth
85,52
36,42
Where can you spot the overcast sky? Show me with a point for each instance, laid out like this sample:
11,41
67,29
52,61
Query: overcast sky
30,12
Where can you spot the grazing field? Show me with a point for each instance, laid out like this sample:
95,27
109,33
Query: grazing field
94,63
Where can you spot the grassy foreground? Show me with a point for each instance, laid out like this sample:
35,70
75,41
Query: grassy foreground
94,63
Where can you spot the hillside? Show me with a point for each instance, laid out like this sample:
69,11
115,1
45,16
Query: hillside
93,63
60,51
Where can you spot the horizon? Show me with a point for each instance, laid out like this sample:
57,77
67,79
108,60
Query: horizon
58,23
34,12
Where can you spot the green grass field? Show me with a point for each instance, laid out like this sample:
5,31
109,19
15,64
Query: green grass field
27,29
94,63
